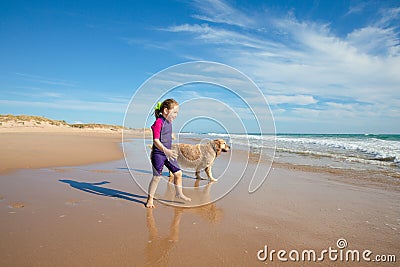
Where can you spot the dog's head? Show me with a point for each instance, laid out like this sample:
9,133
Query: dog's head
220,146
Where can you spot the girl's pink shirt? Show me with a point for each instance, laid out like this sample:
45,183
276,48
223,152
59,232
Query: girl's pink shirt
156,127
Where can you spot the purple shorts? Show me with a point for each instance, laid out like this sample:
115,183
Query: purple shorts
159,160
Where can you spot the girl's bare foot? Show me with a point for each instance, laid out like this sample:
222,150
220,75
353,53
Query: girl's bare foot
183,197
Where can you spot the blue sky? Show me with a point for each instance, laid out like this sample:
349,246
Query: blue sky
323,66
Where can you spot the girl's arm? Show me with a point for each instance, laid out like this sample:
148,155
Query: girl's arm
168,152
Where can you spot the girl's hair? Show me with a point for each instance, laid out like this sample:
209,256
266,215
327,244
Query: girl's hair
167,103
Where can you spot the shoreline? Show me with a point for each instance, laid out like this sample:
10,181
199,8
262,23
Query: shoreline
366,178
49,147
384,178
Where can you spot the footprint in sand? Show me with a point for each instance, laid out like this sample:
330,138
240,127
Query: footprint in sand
72,202
16,205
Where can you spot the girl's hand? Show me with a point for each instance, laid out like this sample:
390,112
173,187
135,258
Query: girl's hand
170,154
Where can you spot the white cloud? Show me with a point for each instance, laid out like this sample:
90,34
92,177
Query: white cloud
217,11
36,92
214,35
296,61
291,99
306,112
389,15
375,41
356,9
46,80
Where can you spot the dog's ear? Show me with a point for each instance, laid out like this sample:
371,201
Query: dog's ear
217,146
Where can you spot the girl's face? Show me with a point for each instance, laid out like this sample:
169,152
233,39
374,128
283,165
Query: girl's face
170,114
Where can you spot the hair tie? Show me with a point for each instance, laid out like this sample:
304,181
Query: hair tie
158,106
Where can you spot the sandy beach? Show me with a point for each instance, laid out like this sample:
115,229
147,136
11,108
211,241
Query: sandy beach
46,149
286,111
31,145
80,206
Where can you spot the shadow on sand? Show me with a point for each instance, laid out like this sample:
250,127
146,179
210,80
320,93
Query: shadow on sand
97,189
166,174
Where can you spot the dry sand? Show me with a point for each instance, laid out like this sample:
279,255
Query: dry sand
38,150
50,146
94,215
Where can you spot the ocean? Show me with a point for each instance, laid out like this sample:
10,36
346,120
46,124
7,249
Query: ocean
369,152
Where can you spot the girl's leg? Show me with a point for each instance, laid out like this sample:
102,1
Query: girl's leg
152,190
178,186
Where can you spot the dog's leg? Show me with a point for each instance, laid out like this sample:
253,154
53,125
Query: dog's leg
198,176
209,174
171,177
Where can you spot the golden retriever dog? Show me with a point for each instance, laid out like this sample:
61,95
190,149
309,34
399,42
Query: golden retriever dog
201,156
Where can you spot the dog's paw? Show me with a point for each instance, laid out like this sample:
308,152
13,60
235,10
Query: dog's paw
212,179
150,205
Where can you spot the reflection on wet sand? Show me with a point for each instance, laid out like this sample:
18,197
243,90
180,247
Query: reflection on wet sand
158,247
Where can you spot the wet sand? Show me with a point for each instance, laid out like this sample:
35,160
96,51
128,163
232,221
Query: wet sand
95,215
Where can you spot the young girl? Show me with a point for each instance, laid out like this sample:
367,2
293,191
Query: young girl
162,154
